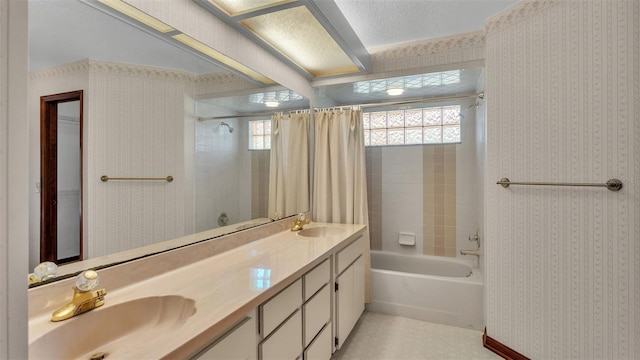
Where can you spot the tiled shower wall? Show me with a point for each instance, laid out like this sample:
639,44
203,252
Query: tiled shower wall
259,183
229,177
439,200
426,190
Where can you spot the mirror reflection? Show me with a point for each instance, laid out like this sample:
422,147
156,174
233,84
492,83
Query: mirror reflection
232,157
143,97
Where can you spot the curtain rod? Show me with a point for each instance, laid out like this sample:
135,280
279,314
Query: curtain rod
387,103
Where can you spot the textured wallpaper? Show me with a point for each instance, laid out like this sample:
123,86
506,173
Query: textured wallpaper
135,126
563,97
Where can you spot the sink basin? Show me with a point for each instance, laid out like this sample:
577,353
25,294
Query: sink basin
323,231
119,330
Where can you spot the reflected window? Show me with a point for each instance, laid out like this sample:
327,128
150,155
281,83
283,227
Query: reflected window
281,96
260,135
260,278
407,82
432,125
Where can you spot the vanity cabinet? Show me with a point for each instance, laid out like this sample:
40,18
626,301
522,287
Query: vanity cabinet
308,320
317,312
349,290
238,343
281,324
296,322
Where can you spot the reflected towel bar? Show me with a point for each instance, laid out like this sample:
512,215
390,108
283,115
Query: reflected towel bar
611,184
105,178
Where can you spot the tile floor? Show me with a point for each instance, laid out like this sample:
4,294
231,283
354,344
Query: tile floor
386,337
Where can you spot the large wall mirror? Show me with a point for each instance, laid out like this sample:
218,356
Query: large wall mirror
151,109
232,147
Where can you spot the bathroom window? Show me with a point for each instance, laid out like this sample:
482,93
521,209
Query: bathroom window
432,125
260,135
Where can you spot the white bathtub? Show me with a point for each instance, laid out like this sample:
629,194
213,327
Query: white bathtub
431,288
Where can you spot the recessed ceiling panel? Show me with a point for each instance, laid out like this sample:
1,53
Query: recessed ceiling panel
298,35
239,7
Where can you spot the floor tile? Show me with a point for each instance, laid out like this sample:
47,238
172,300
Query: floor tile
386,337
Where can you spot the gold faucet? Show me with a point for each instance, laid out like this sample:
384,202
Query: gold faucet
84,297
299,222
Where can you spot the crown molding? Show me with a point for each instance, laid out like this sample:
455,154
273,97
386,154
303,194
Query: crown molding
463,41
517,13
219,78
61,71
114,68
88,66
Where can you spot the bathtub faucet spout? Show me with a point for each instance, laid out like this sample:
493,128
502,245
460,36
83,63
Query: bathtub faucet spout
470,252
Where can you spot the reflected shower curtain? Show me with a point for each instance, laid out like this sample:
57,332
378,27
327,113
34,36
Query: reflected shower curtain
289,165
340,176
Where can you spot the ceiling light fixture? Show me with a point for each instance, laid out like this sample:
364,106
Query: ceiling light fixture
323,43
271,103
395,91
138,15
239,7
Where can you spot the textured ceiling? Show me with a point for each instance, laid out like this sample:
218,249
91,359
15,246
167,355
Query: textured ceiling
64,31
385,22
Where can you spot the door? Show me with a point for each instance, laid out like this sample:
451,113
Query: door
61,177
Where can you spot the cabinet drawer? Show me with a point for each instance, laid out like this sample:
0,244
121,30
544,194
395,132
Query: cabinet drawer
278,308
316,313
321,347
238,343
314,279
286,342
348,255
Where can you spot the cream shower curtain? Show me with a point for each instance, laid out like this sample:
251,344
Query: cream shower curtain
340,176
289,177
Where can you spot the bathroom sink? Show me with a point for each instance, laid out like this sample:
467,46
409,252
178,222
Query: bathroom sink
322,231
119,330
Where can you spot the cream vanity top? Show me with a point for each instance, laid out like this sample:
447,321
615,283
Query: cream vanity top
225,287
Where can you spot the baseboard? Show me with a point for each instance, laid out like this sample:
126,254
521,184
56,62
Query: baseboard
501,349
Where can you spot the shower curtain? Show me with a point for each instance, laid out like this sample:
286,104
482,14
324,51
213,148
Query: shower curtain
289,177
340,177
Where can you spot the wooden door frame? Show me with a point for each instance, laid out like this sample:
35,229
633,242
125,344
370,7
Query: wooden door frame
49,172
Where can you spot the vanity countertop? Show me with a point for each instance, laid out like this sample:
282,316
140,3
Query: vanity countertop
225,287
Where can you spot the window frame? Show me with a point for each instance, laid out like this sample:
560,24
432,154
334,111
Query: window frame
266,134
442,125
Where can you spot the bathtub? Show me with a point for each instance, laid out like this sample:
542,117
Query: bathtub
430,288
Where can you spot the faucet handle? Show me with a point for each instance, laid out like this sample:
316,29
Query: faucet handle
475,237
87,280
303,219
44,271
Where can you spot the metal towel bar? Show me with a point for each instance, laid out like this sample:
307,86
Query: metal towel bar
611,184
105,178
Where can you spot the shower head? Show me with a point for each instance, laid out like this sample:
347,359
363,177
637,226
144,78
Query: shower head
474,105
228,126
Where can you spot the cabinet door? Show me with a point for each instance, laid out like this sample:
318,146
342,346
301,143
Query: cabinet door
238,344
349,299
